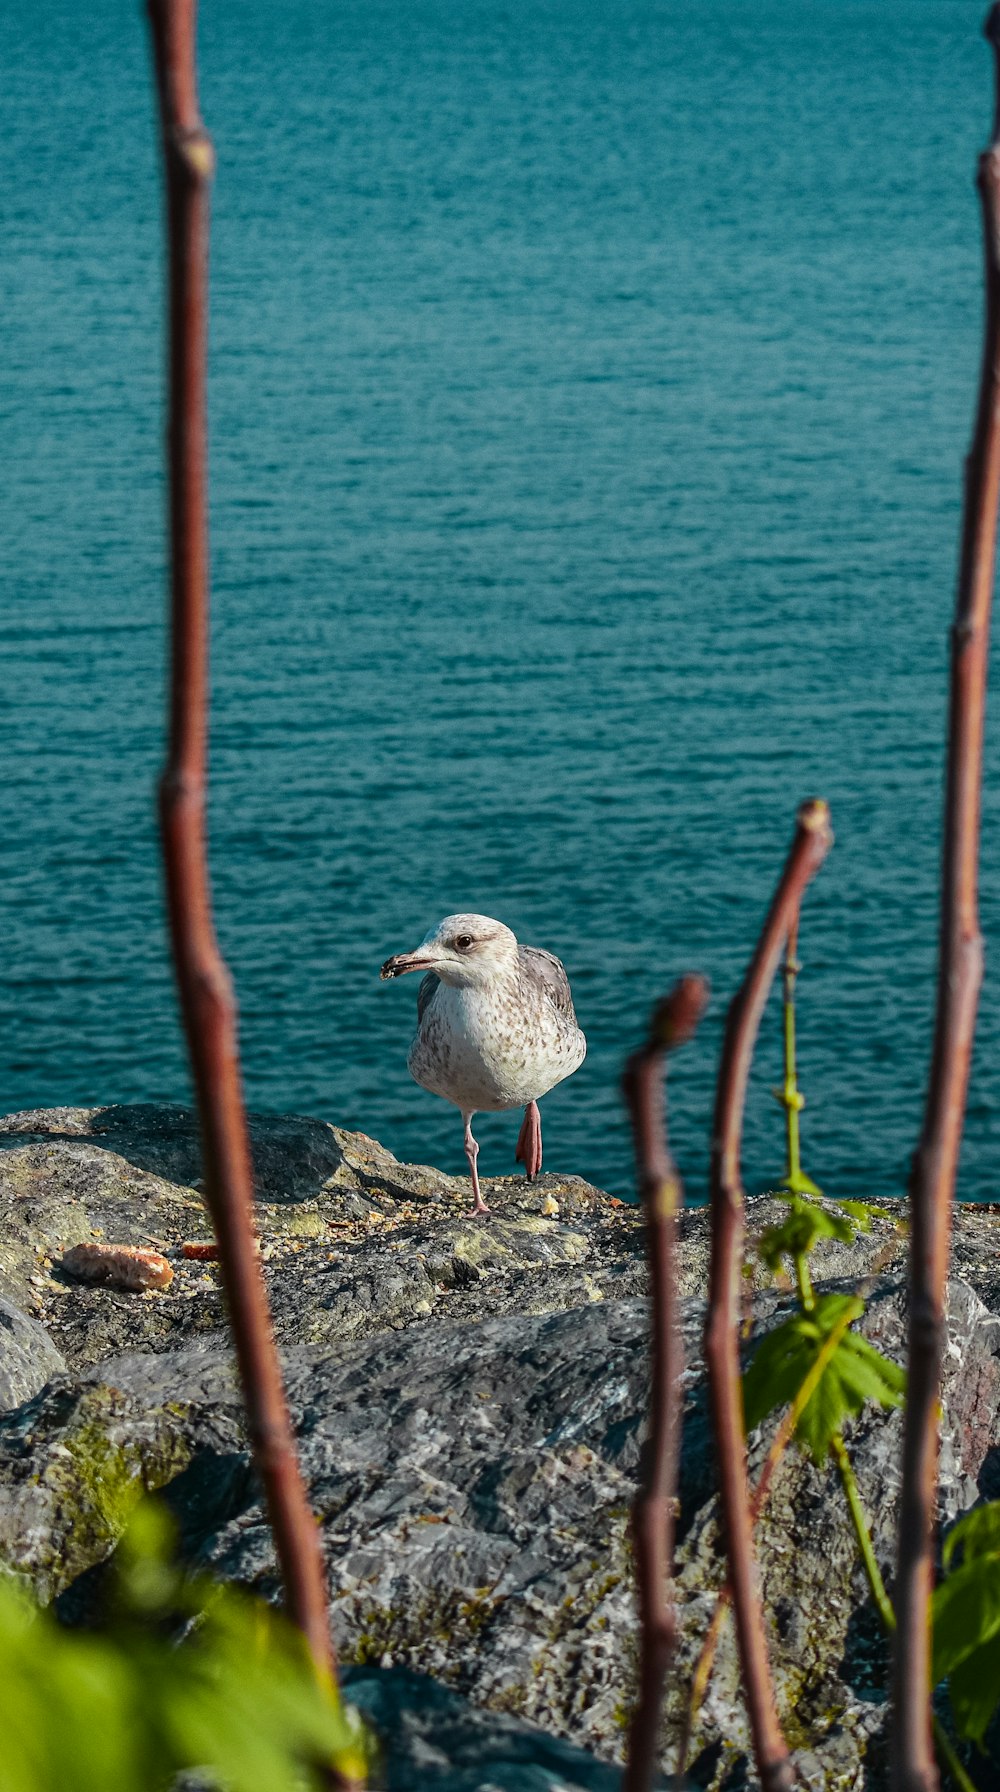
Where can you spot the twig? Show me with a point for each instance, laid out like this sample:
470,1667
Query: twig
942,1741
672,1024
206,993
779,1444
960,960
809,848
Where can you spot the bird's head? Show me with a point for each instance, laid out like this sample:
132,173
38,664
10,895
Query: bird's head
464,950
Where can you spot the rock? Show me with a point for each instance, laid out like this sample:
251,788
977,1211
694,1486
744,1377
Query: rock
474,1484
432,1737
827,1646
469,1400
353,1241
76,1458
28,1356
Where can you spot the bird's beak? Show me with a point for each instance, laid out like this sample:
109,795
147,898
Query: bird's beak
403,962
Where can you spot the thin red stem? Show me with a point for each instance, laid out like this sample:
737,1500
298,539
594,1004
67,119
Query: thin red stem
809,848
960,965
653,1513
205,987
779,1444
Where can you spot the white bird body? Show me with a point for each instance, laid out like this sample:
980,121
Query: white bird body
495,1026
493,1047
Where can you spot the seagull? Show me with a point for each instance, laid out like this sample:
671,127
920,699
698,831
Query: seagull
495,1027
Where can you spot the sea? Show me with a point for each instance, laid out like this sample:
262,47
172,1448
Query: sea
590,385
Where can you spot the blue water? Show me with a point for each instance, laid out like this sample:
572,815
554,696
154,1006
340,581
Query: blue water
590,385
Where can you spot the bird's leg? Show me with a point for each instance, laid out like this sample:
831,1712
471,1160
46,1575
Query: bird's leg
529,1141
472,1152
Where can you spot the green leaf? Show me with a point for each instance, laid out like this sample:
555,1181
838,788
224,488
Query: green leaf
798,1183
965,1615
239,1701
965,1612
859,1211
797,1234
978,1532
974,1690
855,1373
863,1212
869,1374
784,1357
823,1415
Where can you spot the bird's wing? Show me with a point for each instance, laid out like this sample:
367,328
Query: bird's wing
548,972
426,993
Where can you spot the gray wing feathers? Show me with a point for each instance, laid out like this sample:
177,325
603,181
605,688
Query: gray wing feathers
547,971
426,993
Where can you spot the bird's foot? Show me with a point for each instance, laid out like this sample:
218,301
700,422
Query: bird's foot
473,1213
529,1142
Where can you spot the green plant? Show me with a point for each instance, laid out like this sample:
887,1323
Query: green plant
789,1096
855,1372
823,1373
851,1372
238,1701
965,1619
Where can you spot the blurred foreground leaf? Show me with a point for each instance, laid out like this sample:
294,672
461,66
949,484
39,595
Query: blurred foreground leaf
127,1710
965,1612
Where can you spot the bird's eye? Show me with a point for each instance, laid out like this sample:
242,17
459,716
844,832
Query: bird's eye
464,941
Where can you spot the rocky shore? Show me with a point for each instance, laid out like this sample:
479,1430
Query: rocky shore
469,1398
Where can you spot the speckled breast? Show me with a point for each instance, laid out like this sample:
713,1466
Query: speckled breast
482,1050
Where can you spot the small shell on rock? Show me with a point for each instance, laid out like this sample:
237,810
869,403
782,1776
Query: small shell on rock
118,1266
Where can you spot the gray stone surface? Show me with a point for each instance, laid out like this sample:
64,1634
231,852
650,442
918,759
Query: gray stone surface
354,1242
473,1483
469,1399
433,1737
28,1356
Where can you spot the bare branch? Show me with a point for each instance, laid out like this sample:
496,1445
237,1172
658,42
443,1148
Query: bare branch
672,1024
206,994
779,1444
960,962
812,841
